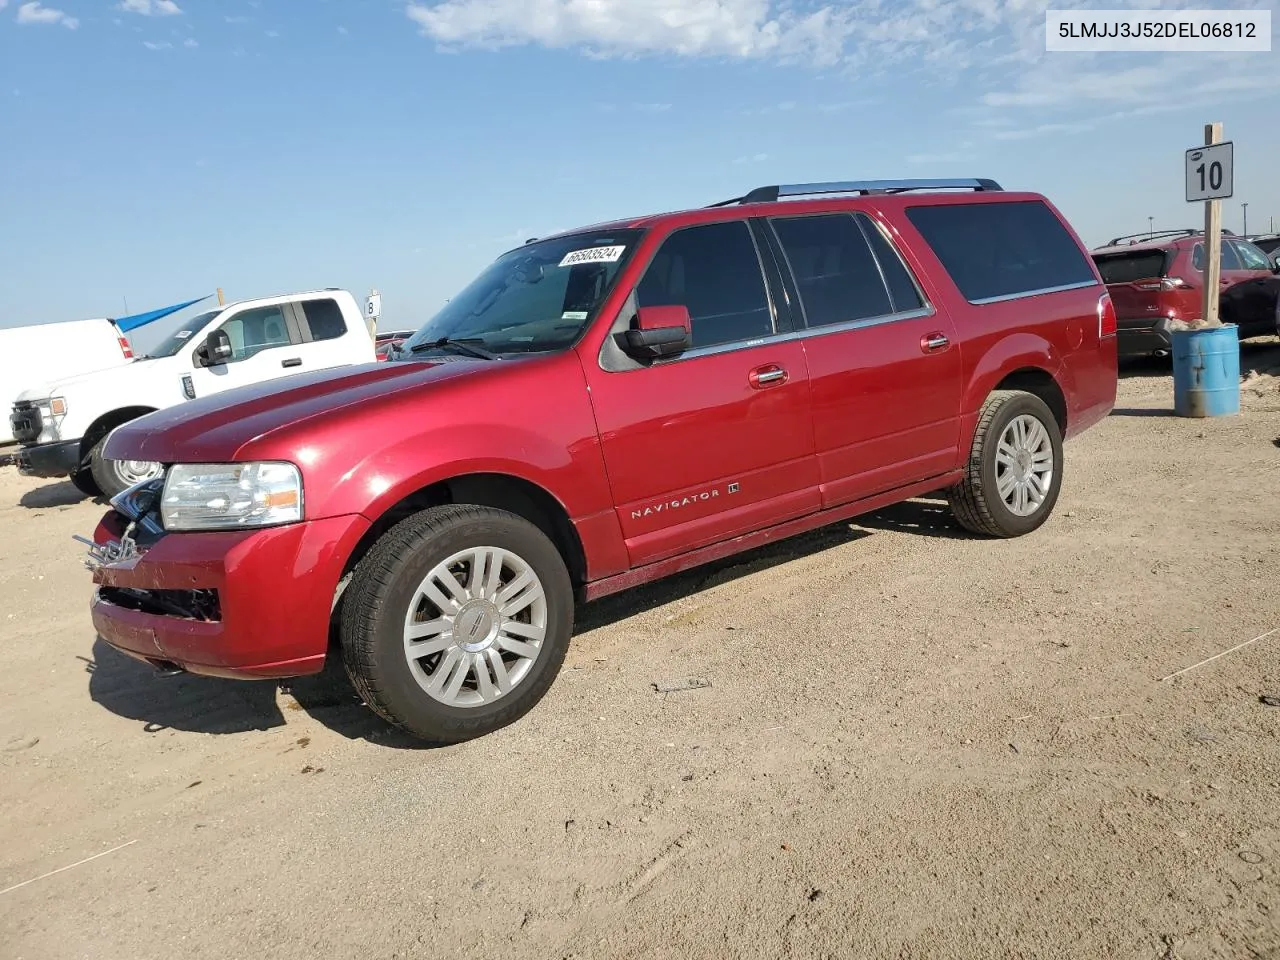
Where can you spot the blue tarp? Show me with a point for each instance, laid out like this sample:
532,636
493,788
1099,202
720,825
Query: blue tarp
141,319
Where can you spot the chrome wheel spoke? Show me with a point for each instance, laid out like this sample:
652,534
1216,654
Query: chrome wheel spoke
499,670
444,670
442,602
529,631
484,681
460,674
1005,483
518,647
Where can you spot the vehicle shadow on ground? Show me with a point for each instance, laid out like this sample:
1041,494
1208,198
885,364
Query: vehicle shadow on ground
1140,412
62,494
1261,356
193,704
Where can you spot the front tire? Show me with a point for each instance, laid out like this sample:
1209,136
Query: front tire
116,476
457,621
1014,472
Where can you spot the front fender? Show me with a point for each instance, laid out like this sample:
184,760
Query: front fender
573,474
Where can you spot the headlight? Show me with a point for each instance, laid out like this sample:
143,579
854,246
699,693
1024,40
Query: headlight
51,413
231,496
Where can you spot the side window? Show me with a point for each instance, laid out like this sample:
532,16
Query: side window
1251,258
902,288
324,319
253,331
834,269
712,270
996,249
1229,259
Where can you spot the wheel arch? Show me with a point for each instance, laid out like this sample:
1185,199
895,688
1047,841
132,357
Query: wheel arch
503,491
1040,383
1021,361
108,422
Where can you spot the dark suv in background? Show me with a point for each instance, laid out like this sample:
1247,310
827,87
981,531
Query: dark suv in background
1157,278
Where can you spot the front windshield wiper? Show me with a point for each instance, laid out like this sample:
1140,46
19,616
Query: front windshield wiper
461,344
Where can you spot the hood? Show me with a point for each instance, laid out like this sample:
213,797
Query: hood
81,382
217,427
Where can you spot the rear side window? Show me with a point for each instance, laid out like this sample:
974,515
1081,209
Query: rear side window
995,251
1128,267
834,268
712,270
1229,259
324,318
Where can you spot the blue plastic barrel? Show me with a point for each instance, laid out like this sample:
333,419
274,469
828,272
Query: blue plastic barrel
1206,372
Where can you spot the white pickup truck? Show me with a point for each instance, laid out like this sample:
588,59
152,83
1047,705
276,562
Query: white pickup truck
63,424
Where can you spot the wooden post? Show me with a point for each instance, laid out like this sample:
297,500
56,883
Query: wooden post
1212,241
221,302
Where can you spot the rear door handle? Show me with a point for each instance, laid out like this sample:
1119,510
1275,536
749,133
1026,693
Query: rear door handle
767,376
934,342
294,362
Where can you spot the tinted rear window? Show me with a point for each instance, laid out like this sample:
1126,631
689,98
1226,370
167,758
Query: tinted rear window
994,250
1128,267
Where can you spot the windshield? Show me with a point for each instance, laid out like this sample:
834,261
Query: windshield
175,341
538,297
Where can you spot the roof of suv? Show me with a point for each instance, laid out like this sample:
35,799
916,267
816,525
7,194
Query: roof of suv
774,196
1159,240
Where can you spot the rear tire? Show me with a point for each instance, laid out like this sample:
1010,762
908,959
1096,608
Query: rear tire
116,476
84,482
1014,471
438,636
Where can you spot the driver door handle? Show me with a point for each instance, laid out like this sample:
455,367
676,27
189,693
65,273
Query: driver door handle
291,362
934,342
767,376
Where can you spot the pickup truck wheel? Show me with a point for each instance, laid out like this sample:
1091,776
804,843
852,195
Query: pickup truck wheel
1014,471
116,476
84,482
457,621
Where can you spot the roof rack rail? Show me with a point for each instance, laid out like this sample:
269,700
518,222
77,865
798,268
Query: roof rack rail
1148,235
864,187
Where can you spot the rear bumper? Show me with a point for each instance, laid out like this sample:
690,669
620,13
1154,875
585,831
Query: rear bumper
50,459
1144,335
273,593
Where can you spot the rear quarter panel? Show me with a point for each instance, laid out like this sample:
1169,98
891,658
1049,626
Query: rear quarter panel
1054,332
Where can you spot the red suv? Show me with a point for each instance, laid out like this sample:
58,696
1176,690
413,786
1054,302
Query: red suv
1157,278
599,409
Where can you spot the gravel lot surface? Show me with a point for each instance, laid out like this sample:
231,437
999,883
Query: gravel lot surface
915,744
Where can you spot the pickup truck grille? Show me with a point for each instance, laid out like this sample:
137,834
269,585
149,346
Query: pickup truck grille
26,422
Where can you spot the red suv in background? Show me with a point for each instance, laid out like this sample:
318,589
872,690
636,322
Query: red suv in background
1158,278
599,409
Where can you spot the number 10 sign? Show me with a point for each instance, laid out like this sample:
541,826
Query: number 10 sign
1209,175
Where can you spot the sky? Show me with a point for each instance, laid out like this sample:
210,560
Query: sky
152,151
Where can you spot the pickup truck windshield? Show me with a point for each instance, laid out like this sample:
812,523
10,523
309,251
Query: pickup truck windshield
532,299
184,335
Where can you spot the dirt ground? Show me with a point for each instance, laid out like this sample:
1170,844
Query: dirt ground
915,744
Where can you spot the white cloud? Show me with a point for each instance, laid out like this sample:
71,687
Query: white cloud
695,28
163,45
151,8
3,4
34,12
190,43
753,158
991,52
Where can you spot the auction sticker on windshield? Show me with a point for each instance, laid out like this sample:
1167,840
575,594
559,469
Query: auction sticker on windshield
592,255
